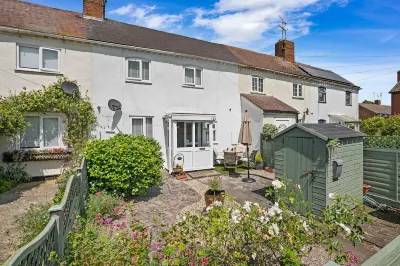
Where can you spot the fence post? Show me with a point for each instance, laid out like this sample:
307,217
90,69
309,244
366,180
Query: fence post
397,176
57,211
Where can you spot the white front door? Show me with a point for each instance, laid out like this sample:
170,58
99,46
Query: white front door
193,142
281,124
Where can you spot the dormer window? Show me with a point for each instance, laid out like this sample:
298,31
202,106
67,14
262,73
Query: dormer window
193,77
257,84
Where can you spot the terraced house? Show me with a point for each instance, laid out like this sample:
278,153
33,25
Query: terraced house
188,94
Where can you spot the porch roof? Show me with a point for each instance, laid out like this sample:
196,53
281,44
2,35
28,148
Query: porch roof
345,118
269,103
189,116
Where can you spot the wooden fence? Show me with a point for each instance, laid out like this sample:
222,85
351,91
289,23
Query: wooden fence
54,235
382,169
267,151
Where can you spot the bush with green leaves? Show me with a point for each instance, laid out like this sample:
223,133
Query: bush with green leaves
124,165
12,175
232,234
32,223
269,130
259,158
380,126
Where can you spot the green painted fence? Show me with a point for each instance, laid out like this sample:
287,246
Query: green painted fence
54,235
267,151
382,169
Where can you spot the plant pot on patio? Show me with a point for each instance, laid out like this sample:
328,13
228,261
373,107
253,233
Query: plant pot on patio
259,161
366,188
259,166
215,193
181,176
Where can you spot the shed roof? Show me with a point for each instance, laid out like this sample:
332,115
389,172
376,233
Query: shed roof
326,131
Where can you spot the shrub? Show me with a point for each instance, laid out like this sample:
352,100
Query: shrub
269,129
12,175
380,126
124,164
101,203
6,185
32,223
259,158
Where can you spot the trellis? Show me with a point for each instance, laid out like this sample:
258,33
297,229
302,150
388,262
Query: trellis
382,142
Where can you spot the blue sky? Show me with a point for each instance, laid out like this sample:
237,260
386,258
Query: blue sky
359,39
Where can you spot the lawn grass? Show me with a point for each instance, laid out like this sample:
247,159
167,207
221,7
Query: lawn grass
230,169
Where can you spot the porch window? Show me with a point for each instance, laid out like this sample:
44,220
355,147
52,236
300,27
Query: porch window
257,84
322,95
297,91
348,98
42,132
193,76
138,70
142,126
185,134
38,59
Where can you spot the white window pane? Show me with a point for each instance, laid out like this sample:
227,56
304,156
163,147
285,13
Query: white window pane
149,127
260,85
31,137
134,69
189,135
300,91
189,76
146,70
137,127
180,134
28,57
254,84
198,77
50,132
49,59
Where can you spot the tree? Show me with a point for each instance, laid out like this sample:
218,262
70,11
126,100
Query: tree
380,126
370,102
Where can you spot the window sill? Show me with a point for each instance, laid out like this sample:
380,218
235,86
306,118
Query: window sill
25,70
257,92
298,98
321,102
138,81
349,105
192,86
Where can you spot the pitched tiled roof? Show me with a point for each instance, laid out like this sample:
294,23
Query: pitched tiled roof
377,108
33,17
396,88
269,103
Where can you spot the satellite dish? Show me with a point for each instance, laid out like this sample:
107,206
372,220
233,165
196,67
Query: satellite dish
69,87
114,105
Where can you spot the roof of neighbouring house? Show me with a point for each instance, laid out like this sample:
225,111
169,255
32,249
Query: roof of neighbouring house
396,88
42,19
269,103
377,108
326,131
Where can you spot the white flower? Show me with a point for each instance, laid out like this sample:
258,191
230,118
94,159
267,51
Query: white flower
276,228
263,219
184,217
345,228
247,205
277,184
305,225
254,255
256,204
274,210
209,208
332,195
217,203
235,216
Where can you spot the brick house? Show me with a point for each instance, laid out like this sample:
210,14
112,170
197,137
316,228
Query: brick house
395,92
368,110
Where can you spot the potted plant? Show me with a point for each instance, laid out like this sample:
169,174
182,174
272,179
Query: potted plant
259,161
366,188
178,168
214,193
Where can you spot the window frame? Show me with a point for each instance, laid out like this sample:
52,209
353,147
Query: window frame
298,86
41,132
144,118
195,75
40,68
319,100
140,79
257,78
350,98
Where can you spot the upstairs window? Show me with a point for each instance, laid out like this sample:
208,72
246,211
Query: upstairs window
42,132
257,84
142,126
193,77
297,91
348,98
322,95
38,59
138,70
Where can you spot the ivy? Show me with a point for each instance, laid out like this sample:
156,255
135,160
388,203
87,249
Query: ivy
78,112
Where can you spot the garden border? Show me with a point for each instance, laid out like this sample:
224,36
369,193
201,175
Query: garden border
54,235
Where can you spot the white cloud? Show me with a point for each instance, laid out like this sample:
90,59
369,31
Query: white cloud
147,16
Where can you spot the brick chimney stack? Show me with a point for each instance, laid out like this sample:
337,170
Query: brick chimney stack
398,76
94,9
378,102
285,50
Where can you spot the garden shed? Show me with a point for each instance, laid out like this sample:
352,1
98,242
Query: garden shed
303,153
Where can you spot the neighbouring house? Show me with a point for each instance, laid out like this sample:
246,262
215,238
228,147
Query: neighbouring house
368,110
395,92
184,92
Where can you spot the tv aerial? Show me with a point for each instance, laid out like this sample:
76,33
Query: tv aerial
114,105
69,88
283,28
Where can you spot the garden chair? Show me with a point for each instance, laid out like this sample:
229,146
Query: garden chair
252,157
230,158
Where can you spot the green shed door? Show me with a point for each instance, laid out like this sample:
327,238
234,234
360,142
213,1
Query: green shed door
298,161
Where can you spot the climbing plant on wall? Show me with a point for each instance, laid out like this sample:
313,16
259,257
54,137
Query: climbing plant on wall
77,110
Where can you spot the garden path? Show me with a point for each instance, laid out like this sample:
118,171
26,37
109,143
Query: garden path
16,203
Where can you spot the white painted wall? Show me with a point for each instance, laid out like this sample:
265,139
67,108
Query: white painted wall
76,64
271,118
166,93
281,87
256,121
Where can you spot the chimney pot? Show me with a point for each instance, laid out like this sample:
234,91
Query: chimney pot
398,76
378,102
94,9
285,50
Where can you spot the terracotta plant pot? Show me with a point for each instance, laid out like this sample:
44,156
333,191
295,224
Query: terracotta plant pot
181,176
366,188
177,170
210,197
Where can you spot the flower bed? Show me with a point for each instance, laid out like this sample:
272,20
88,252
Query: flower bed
36,155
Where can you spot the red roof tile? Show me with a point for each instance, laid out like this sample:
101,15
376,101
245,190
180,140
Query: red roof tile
269,103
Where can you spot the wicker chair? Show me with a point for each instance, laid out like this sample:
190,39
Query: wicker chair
252,157
230,158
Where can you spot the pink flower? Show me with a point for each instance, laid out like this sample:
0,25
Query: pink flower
204,261
99,193
98,215
159,246
100,221
192,263
116,209
108,220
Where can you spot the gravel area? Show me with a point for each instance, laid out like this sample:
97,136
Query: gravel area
16,203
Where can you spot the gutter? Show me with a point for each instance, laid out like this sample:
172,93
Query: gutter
149,50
